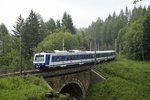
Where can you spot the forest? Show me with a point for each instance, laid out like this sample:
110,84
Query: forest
127,32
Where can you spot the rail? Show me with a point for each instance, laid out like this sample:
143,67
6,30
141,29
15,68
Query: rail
58,71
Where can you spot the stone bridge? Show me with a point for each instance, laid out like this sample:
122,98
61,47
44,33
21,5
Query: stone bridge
74,81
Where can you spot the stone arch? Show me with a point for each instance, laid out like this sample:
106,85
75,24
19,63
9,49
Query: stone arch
73,88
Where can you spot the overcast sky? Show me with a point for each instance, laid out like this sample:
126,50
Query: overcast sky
83,12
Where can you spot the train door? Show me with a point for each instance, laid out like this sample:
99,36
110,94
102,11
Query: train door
47,61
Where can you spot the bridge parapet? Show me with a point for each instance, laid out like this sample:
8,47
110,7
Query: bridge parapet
64,71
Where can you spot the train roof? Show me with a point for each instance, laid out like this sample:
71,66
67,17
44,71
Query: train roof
72,52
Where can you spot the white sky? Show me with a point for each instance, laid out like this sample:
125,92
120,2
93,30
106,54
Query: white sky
83,12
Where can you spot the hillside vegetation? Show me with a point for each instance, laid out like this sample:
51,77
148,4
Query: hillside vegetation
25,88
126,80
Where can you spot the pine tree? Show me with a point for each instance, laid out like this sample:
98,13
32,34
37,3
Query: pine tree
58,24
51,25
67,24
3,38
30,36
146,38
3,29
43,31
18,28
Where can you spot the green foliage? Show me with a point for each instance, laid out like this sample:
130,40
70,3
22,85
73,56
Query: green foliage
30,36
4,36
146,37
137,12
55,42
58,24
10,62
105,32
6,43
126,80
136,1
3,30
133,39
18,28
82,41
67,24
51,25
127,33
24,88
43,31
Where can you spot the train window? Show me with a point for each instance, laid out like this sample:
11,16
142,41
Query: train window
80,56
87,56
103,55
76,57
57,58
67,57
62,58
84,56
99,55
111,54
93,56
90,56
53,58
106,54
39,58
73,57
96,55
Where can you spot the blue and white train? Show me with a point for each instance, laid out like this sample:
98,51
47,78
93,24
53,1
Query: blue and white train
45,60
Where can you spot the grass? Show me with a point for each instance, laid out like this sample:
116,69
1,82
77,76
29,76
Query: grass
25,88
126,80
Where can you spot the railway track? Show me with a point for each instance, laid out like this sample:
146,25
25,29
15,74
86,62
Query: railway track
18,73
58,71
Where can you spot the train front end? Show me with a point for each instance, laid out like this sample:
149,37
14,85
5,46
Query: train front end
41,61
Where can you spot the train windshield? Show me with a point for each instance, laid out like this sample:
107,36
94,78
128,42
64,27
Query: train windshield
39,58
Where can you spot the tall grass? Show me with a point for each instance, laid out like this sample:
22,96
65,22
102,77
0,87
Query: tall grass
24,88
126,80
